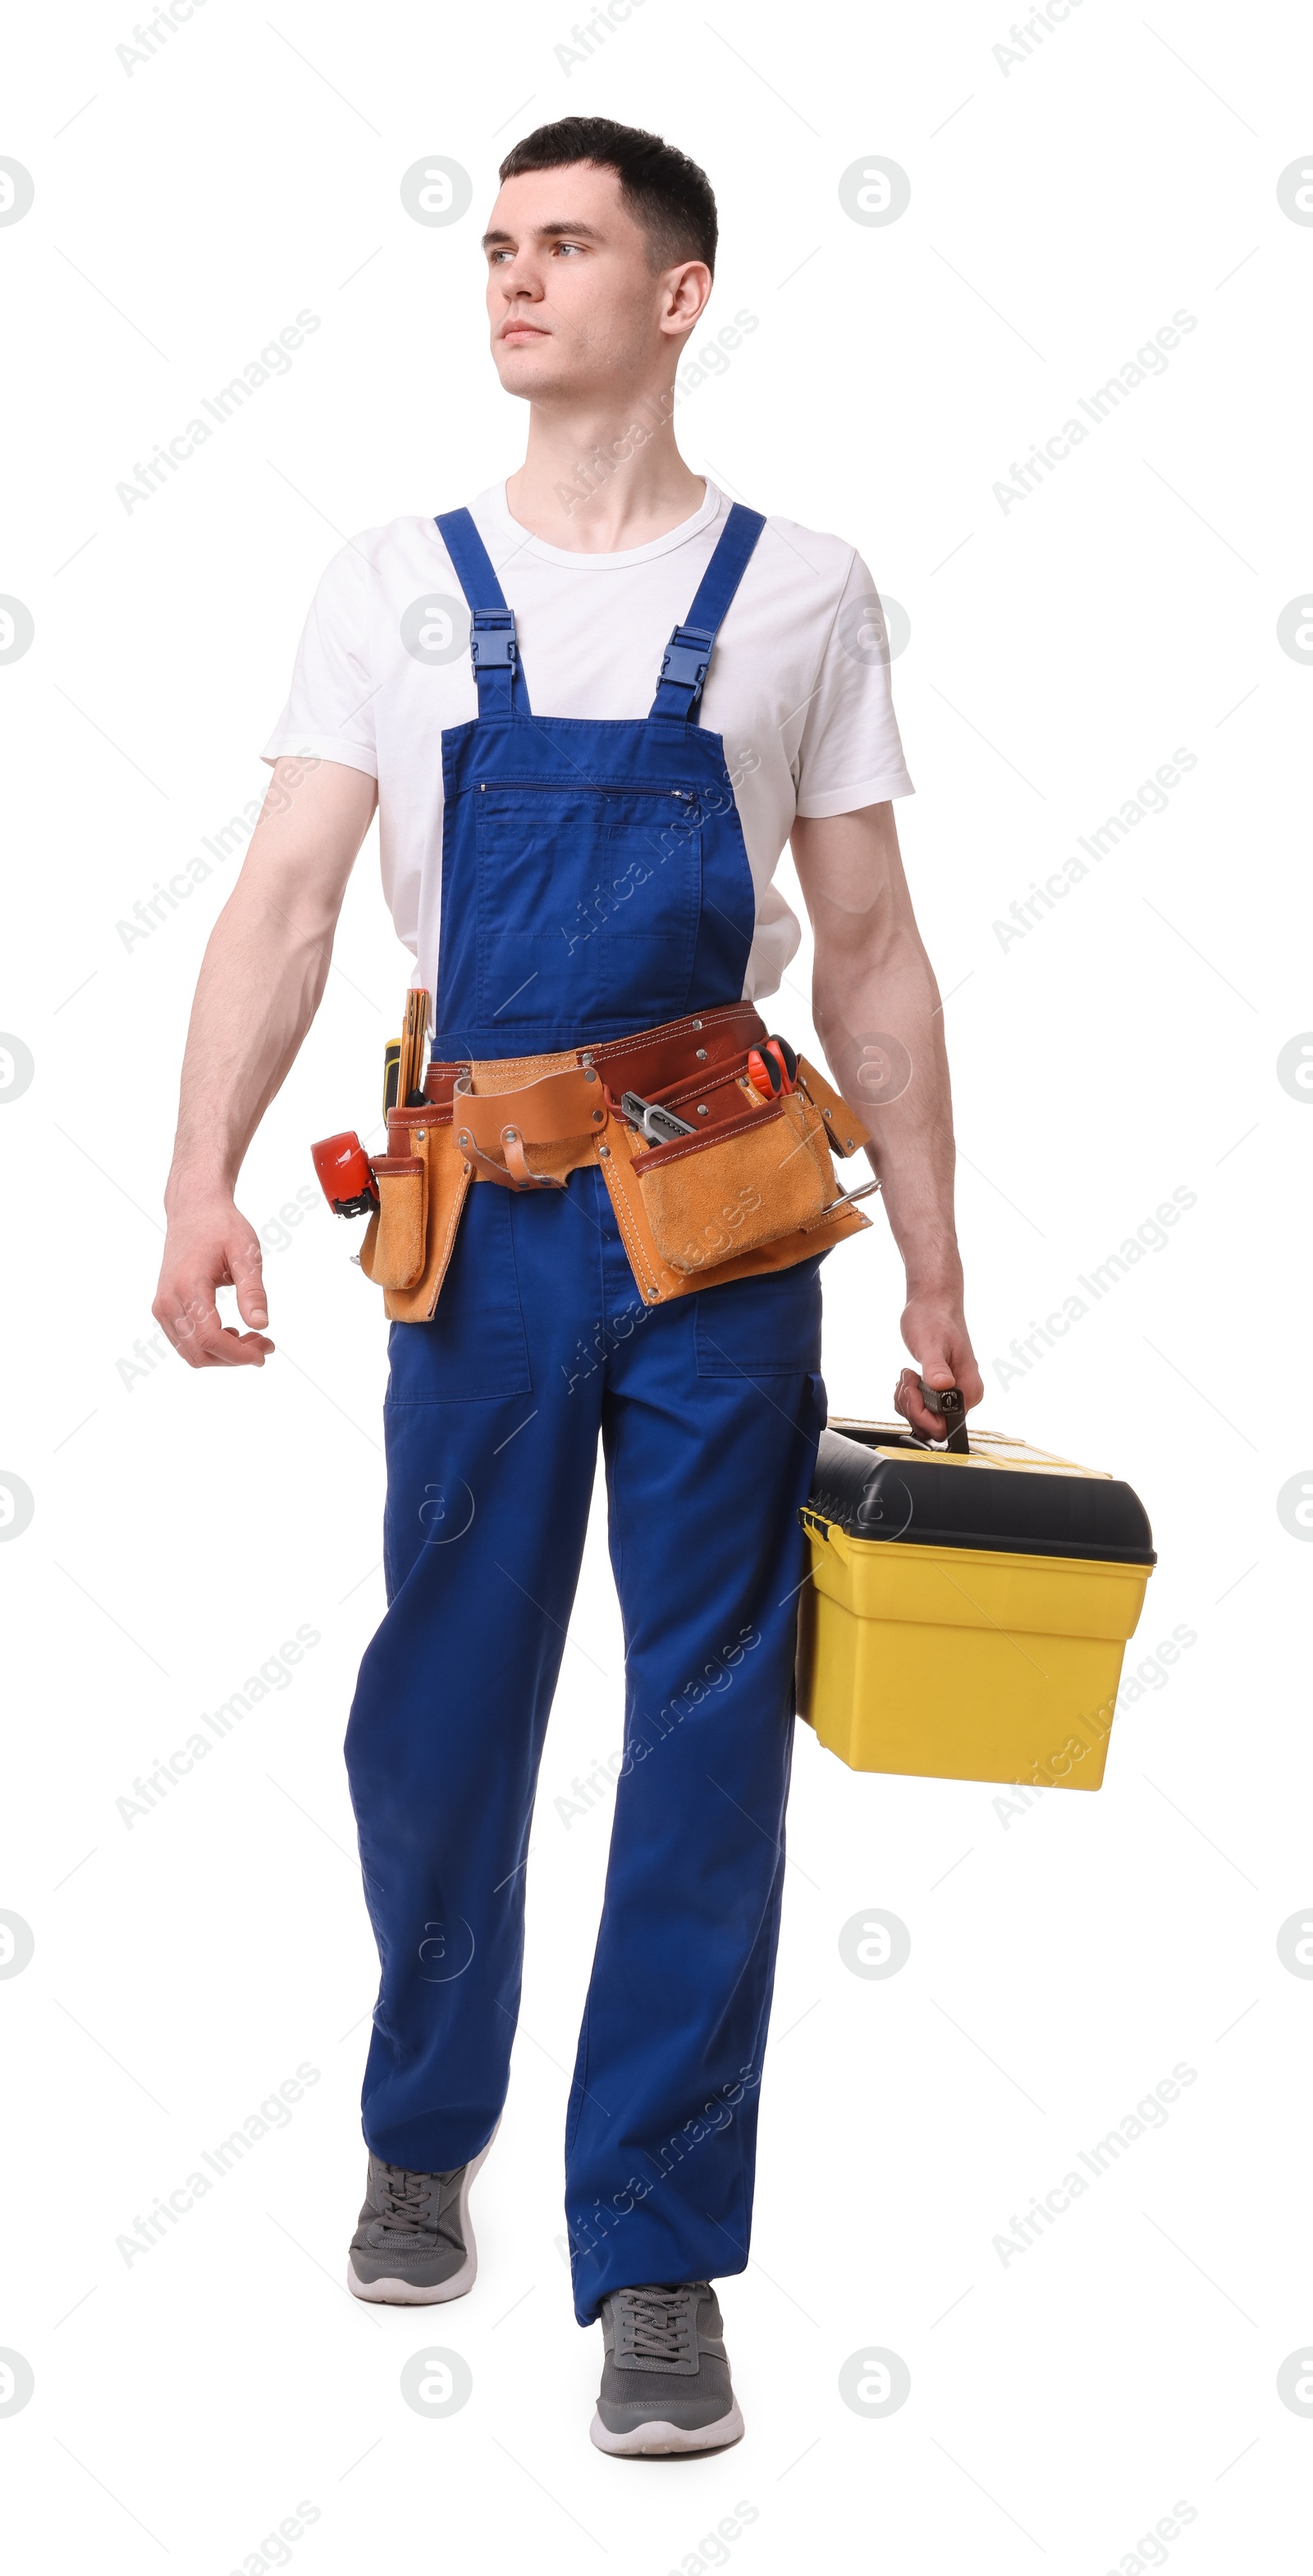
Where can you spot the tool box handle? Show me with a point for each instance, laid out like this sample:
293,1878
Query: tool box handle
947,1402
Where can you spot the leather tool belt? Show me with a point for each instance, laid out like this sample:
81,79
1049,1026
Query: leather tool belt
725,1184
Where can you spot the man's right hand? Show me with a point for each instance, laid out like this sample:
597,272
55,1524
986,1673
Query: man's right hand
261,982
209,1246
261,985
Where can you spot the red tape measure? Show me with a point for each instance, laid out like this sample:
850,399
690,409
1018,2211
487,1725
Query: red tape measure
345,1174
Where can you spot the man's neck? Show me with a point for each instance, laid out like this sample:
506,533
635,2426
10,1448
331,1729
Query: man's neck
604,480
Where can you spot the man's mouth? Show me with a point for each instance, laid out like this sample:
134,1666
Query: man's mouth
523,331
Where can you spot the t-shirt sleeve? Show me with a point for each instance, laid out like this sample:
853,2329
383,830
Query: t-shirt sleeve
850,752
329,713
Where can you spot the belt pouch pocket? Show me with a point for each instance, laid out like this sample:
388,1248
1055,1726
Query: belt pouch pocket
398,1249
744,1185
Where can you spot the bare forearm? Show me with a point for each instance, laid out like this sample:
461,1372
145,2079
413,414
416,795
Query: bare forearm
260,985
878,1014
877,1009
265,968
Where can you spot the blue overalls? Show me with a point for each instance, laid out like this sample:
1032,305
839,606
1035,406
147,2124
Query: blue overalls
595,883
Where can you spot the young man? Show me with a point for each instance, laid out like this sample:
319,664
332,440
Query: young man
578,838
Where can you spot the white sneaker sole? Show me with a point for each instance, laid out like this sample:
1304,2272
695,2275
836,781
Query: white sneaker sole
392,2293
657,2439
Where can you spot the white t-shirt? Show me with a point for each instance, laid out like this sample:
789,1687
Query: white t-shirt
798,686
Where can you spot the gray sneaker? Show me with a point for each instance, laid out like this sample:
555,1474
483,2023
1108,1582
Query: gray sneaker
665,2379
414,2246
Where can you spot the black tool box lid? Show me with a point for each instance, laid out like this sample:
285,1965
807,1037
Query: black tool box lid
876,1480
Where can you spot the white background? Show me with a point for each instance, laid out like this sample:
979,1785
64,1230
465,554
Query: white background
1062,1960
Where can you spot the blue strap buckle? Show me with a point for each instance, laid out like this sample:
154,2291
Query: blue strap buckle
688,655
492,640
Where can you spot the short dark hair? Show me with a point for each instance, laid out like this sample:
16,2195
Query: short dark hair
664,191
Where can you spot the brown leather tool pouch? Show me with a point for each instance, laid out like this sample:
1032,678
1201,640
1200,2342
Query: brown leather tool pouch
844,1130
529,1134
410,1272
748,1181
397,1248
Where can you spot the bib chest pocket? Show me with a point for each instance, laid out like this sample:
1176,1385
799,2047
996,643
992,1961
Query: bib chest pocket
589,900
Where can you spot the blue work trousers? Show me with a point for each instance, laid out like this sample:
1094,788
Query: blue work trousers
709,1410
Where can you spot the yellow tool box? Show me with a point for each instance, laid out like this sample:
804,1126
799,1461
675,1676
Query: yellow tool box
968,1608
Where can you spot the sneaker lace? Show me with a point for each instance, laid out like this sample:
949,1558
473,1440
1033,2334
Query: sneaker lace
402,2200
661,2322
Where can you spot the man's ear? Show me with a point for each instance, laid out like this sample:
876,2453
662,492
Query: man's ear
688,294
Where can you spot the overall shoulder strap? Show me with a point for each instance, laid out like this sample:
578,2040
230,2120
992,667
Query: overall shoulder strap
494,652
688,654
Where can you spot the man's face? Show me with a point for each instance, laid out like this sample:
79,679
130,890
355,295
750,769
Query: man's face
576,309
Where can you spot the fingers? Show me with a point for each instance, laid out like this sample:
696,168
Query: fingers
203,1339
940,1350
198,1333
971,1382
958,1370
939,1337
217,1249
954,1364
248,1278
909,1401
177,1308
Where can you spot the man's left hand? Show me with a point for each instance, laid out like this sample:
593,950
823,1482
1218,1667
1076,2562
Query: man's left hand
936,1335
